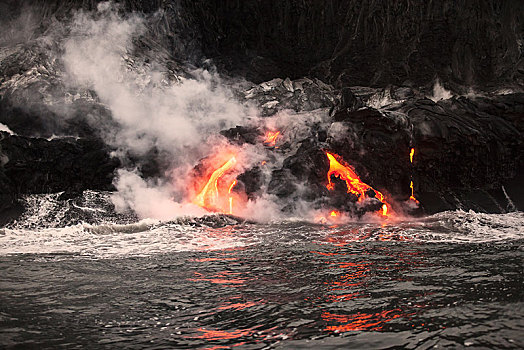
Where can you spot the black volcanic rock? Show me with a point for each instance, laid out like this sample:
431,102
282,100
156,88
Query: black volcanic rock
252,181
303,178
35,165
343,42
468,154
466,150
377,144
365,42
463,149
300,95
242,134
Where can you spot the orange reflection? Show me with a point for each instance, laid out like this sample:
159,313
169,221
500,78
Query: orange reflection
356,272
219,278
217,347
343,297
349,273
210,334
213,259
238,306
345,236
360,321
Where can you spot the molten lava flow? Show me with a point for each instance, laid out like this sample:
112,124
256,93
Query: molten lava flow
230,197
271,138
353,183
209,197
345,172
412,197
384,209
334,213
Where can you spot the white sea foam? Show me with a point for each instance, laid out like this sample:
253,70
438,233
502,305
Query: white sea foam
150,237
113,241
471,227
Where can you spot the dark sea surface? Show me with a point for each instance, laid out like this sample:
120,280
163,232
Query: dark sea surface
452,280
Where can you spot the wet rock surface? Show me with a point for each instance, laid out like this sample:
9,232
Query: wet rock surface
35,165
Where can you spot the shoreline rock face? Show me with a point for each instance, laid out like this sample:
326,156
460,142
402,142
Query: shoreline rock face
365,70
468,152
36,165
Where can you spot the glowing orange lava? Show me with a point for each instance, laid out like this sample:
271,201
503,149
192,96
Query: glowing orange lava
209,197
412,197
271,138
384,209
334,213
342,170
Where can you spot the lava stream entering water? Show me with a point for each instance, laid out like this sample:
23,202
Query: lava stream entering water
412,197
210,197
354,185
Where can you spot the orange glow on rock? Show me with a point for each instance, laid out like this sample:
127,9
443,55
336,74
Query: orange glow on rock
345,172
230,197
411,154
271,138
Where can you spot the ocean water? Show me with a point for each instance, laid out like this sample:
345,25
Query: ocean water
74,274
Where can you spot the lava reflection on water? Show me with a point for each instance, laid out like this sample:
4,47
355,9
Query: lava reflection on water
360,321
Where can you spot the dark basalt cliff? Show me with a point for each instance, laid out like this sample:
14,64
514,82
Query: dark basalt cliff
366,42
346,43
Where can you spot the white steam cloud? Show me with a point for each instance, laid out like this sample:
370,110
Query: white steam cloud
153,110
440,93
5,129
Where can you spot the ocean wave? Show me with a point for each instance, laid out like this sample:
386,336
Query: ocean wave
90,227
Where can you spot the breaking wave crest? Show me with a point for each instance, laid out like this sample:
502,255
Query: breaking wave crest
460,226
89,227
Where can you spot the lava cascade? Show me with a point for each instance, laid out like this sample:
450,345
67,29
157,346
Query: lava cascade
213,197
342,170
412,197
